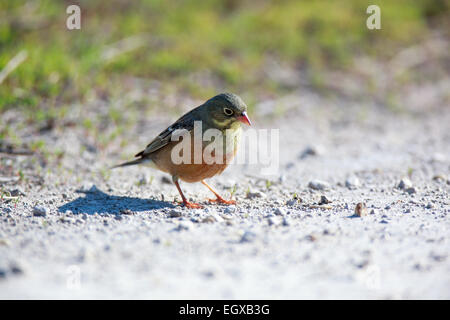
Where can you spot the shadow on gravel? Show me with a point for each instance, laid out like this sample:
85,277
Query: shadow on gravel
96,201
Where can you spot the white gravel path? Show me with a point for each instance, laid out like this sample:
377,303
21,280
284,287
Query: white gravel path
114,238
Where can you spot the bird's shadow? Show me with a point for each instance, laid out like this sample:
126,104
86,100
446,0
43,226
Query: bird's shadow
97,201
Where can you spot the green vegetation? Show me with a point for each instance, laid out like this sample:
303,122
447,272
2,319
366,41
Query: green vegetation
170,40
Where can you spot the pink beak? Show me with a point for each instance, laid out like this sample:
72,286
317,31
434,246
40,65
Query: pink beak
244,119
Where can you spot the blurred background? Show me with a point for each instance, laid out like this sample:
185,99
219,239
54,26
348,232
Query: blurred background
255,48
137,59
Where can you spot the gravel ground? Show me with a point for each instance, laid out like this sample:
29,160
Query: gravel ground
78,232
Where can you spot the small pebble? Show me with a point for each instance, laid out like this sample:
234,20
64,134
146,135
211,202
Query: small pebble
438,157
174,214
166,180
274,221
16,192
248,236
70,220
209,219
15,269
411,190
88,187
184,225
280,211
318,185
324,200
314,150
439,177
255,194
361,209
352,182
40,211
229,209
404,184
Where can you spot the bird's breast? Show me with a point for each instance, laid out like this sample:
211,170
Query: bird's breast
212,158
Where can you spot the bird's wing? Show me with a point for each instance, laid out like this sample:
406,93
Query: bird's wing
185,122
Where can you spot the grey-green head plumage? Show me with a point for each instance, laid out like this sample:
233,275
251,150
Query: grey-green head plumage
224,110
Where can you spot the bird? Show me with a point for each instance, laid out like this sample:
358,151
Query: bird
225,113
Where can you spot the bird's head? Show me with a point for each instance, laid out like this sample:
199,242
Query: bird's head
227,109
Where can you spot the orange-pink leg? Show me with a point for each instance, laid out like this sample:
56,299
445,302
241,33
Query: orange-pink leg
218,199
186,203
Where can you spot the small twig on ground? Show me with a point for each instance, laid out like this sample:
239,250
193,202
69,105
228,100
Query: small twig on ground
123,46
9,179
8,148
3,196
13,64
316,206
9,198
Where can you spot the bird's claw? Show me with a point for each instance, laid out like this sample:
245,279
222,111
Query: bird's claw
192,205
222,201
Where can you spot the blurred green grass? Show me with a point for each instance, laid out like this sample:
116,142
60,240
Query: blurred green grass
169,40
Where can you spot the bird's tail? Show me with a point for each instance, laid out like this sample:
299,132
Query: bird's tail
130,163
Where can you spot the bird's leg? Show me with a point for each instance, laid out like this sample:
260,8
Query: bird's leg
218,199
186,203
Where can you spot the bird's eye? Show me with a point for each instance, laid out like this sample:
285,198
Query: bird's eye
228,111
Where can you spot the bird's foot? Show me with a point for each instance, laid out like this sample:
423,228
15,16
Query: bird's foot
222,201
191,205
